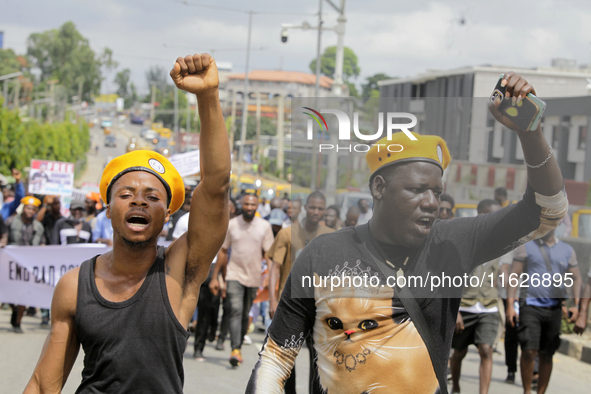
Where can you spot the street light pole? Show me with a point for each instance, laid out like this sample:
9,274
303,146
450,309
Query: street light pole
315,179
337,90
245,100
340,30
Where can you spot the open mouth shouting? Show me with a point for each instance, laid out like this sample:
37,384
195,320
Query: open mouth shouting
137,220
425,223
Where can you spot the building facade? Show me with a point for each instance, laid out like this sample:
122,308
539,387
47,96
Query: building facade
454,105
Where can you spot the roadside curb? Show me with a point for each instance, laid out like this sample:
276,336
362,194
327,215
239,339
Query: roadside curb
575,346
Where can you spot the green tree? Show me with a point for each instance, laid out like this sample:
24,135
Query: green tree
328,60
22,141
8,62
352,89
268,127
64,54
122,81
372,84
132,98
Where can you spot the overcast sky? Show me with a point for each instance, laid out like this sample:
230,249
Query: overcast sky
399,38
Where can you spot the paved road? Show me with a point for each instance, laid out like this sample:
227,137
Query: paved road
96,162
19,354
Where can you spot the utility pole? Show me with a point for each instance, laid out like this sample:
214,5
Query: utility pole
258,118
233,117
177,136
245,100
51,110
17,91
5,78
188,126
337,90
315,181
80,83
337,86
153,100
5,94
280,118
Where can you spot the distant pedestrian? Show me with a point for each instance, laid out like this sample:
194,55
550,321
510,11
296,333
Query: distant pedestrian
9,207
73,230
352,218
540,307
332,217
24,230
581,322
478,319
501,196
48,215
248,236
446,208
365,212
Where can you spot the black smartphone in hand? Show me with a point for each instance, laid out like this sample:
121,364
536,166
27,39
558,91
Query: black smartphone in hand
526,114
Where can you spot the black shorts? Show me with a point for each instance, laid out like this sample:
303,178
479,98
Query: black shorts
478,328
539,328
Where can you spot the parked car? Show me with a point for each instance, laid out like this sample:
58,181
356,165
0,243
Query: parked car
137,119
111,140
106,123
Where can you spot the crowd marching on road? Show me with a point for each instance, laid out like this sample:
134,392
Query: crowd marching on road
132,309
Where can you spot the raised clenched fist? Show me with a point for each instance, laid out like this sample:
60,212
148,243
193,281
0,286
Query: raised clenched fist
195,73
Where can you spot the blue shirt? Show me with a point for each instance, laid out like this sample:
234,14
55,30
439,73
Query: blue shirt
103,228
562,257
10,208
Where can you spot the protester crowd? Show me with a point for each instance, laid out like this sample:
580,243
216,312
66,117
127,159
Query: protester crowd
264,237
410,220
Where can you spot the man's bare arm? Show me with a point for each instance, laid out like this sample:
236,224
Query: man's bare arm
515,272
61,346
577,285
193,252
220,265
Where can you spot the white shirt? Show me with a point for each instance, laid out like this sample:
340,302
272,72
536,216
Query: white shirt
364,217
182,226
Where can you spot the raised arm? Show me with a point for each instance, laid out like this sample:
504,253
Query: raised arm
61,346
208,219
540,211
543,173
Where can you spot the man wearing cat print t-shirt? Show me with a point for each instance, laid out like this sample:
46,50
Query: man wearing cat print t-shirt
386,340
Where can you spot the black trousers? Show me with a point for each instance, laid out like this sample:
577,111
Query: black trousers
511,343
207,313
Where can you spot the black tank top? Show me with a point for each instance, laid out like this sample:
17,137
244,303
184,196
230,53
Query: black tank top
134,346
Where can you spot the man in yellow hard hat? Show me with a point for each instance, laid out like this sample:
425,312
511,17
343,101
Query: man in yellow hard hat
130,308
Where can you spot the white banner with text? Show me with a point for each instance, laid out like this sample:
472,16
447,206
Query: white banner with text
28,274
